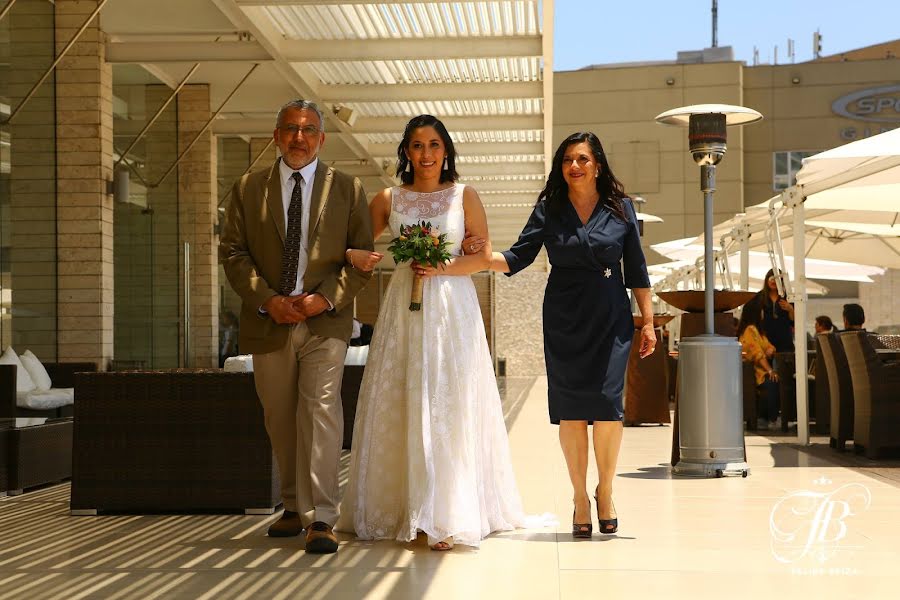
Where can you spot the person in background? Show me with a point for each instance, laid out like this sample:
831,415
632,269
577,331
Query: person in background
228,336
760,351
854,317
824,324
777,316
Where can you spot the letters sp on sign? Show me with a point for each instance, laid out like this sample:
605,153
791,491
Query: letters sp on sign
876,105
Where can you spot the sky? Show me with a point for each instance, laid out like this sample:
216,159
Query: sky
602,31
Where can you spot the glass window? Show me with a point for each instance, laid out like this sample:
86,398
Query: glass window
233,161
28,270
146,242
785,167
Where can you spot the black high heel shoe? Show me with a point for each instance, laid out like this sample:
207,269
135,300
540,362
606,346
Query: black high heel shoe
582,531
607,526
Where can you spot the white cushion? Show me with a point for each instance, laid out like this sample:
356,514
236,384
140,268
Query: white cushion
356,355
24,383
36,370
239,364
46,399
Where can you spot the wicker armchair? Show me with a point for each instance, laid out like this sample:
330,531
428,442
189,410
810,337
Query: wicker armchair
840,388
180,440
62,375
822,392
876,393
888,340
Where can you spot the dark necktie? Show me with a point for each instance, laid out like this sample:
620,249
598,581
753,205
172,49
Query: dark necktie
293,238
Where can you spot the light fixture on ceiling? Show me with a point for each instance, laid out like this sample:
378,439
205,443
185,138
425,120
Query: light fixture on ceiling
120,187
345,114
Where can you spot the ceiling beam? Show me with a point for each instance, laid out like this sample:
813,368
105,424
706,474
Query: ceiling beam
472,148
300,77
394,125
496,169
410,92
411,48
294,51
491,199
479,123
530,187
173,51
344,2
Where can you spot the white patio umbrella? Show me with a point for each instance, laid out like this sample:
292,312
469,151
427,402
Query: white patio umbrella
845,207
856,189
759,263
659,272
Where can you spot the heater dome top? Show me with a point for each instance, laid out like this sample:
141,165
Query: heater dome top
734,115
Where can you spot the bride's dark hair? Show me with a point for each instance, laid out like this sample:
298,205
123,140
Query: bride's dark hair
448,174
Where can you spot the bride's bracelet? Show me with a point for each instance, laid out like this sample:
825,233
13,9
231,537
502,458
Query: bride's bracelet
349,257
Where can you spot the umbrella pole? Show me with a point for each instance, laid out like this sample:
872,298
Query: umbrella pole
795,200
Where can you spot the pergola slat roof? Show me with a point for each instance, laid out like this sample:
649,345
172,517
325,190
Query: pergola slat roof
479,65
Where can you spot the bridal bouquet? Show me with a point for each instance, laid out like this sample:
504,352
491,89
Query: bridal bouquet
423,244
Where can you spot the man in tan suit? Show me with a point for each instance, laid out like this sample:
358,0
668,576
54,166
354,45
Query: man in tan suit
283,245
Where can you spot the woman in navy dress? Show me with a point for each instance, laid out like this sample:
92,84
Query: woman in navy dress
590,231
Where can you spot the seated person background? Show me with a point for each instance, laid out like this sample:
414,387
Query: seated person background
854,317
824,324
759,350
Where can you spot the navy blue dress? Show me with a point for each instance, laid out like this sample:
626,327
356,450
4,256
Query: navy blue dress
587,315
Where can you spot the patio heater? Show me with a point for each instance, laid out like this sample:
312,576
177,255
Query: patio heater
709,366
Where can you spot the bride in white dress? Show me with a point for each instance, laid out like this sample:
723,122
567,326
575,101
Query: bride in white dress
430,450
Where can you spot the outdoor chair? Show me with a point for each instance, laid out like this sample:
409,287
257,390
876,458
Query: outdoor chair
62,375
750,395
840,389
876,394
822,391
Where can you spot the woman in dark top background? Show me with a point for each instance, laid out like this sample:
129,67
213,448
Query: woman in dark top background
588,225
778,316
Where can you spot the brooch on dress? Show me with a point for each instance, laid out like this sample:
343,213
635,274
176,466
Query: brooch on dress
607,273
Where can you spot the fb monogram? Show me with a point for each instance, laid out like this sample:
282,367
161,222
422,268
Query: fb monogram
808,523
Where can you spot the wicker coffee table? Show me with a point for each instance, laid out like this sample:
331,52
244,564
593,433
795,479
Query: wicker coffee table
187,440
37,451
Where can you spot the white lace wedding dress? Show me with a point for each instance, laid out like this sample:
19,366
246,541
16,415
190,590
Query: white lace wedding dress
430,450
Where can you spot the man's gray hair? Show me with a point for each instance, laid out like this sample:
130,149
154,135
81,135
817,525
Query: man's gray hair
301,105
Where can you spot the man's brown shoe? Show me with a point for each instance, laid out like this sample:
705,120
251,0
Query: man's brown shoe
288,525
320,539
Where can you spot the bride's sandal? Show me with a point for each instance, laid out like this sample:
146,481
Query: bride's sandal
607,526
444,545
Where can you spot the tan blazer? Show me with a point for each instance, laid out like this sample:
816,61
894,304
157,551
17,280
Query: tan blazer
252,243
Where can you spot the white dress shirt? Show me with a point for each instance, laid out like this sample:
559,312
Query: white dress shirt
287,190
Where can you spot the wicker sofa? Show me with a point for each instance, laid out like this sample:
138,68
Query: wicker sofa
161,441
61,374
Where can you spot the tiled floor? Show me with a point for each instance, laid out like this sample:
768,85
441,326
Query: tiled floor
678,538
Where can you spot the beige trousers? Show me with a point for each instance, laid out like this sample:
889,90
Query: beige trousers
300,390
